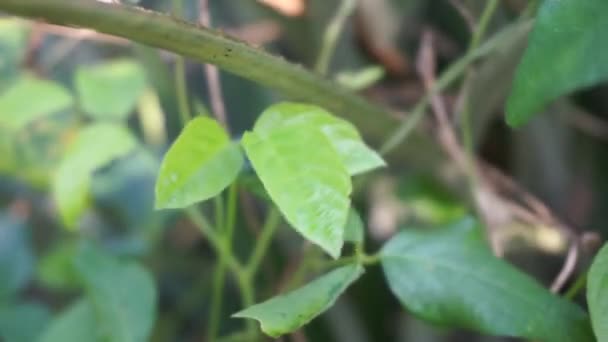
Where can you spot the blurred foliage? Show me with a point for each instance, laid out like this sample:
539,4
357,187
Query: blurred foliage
85,122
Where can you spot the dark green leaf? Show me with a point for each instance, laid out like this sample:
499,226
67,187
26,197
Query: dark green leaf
566,51
122,294
450,277
311,188
110,90
30,99
23,322
95,146
597,294
76,323
356,156
201,163
286,313
16,257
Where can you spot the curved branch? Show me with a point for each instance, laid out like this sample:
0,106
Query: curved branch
205,45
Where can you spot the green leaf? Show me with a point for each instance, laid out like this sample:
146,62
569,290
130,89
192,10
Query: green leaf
76,323
14,39
566,51
94,147
286,313
354,153
597,294
354,228
310,187
122,294
199,165
16,257
110,90
31,99
56,270
450,277
23,322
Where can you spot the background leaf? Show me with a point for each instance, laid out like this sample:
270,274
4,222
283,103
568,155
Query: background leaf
16,257
199,165
566,51
94,147
122,294
289,312
110,90
30,99
23,322
311,188
354,153
76,323
450,277
597,294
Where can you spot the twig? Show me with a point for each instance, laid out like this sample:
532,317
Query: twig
332,33
567,269
464,13
212,75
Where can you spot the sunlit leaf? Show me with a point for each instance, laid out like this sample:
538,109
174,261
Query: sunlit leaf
286,313
566,51
597,294
449,277
199,165
356,156
94,147
304,176
122,294
31,99
110,90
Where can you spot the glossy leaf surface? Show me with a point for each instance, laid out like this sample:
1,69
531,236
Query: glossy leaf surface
566,51
450,277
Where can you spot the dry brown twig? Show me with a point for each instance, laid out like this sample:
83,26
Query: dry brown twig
487,181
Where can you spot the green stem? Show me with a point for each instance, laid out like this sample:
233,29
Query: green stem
181,85
578,285
227,230
216,242
466,130
218,205
268,230
330,37
181,90
482,25
447,78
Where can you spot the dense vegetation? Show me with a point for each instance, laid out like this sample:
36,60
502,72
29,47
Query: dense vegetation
409,171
